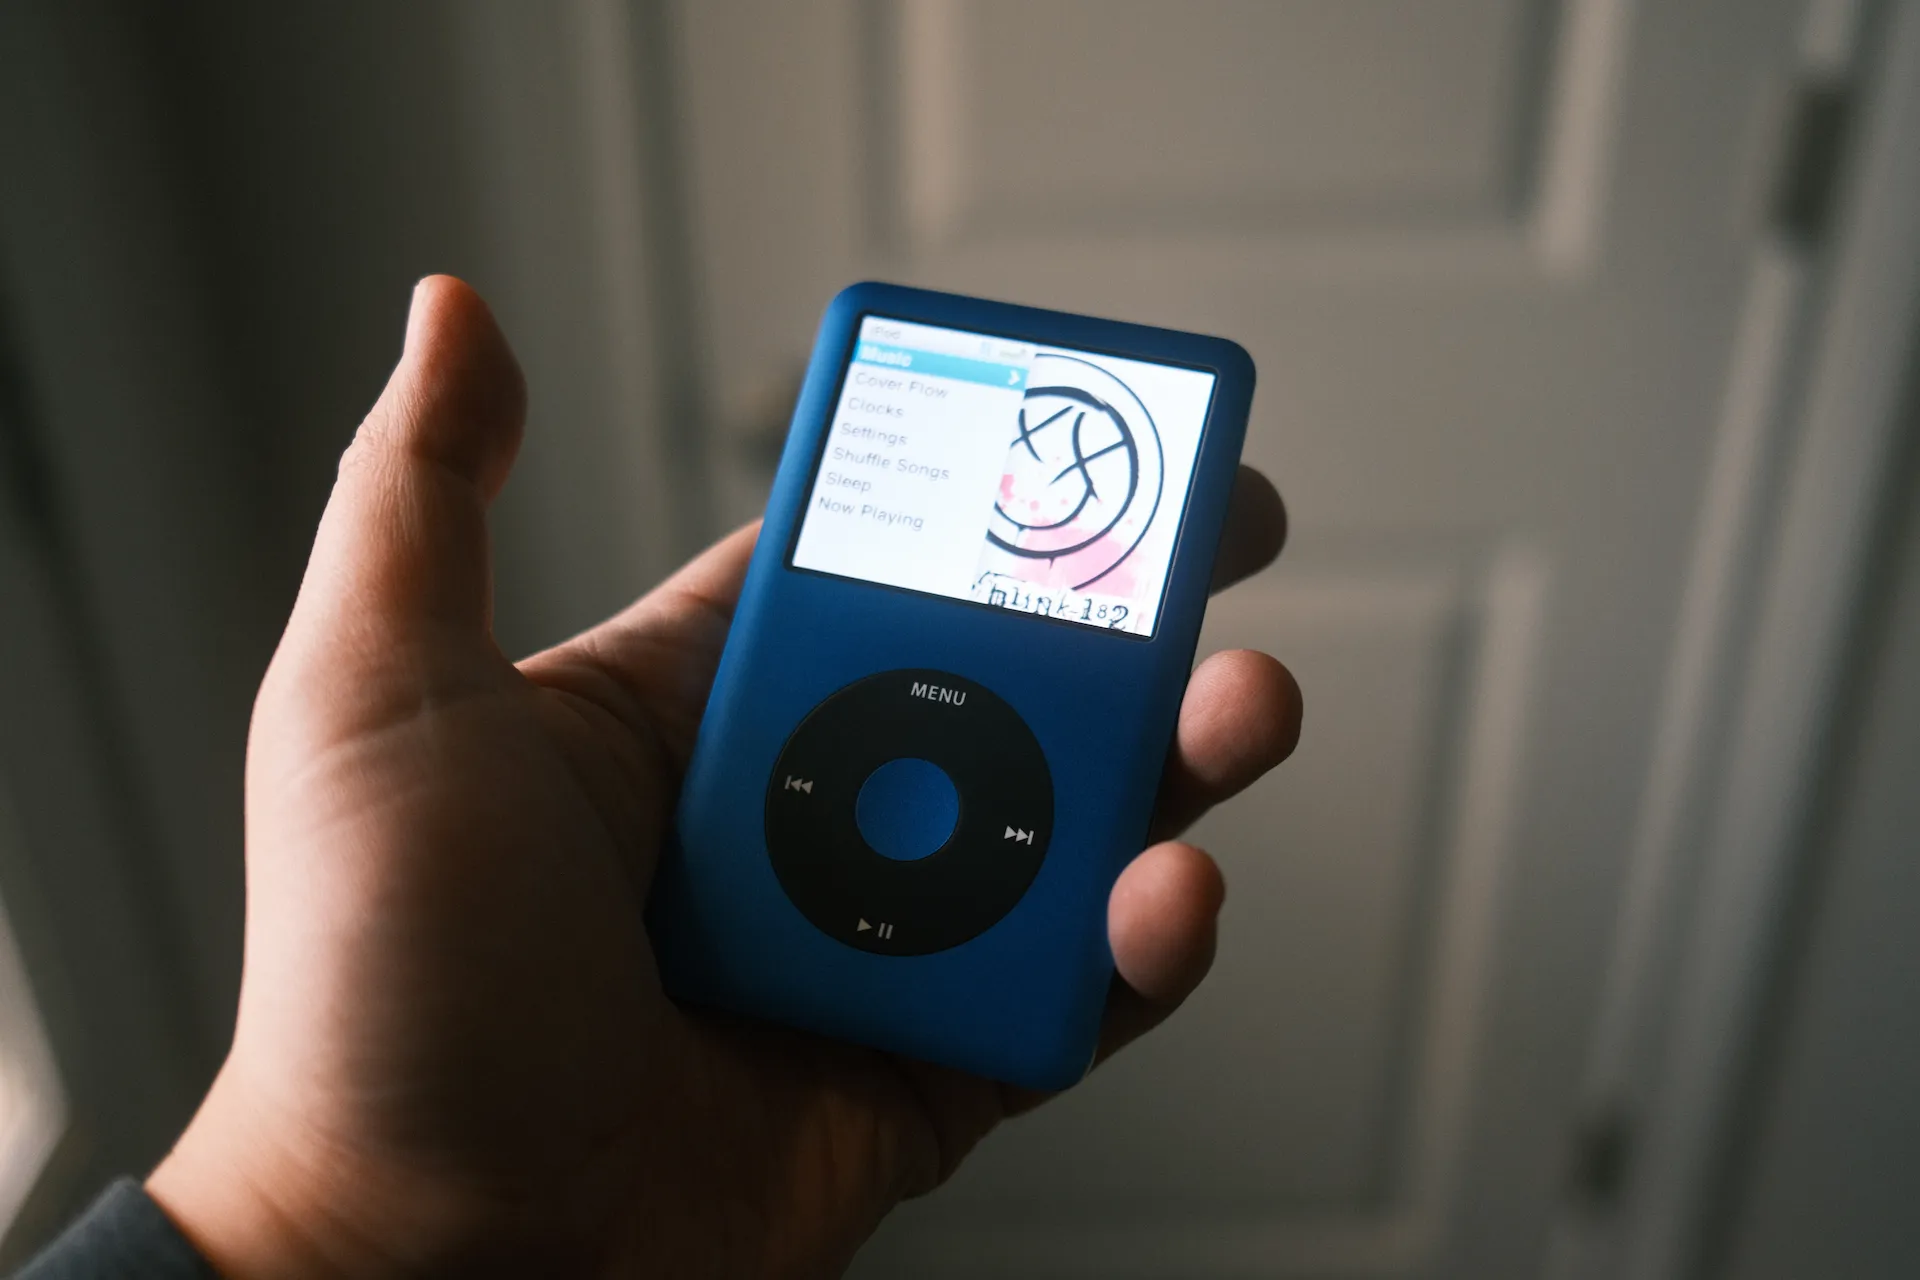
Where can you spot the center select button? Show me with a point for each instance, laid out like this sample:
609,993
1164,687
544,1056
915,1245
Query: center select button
907,809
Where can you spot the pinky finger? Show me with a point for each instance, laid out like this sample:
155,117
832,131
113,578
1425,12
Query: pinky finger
1162,920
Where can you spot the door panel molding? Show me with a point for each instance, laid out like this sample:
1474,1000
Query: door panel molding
1525,173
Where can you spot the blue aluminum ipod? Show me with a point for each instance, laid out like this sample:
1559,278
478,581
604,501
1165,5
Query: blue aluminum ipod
940,721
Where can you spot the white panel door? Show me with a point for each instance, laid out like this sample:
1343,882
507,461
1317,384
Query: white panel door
1499,262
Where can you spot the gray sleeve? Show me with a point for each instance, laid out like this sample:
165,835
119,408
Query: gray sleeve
124,1234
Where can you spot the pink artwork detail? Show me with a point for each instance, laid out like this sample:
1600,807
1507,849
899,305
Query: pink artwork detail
1071,570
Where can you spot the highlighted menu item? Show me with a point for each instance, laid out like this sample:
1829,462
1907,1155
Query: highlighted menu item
911,463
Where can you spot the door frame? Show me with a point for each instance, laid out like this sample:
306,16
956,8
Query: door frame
1810,426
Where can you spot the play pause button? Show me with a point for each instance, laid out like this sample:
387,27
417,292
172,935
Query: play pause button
878,930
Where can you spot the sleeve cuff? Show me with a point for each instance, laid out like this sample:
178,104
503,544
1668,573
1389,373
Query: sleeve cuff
124,1233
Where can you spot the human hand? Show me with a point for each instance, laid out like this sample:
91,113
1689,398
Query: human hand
453,1054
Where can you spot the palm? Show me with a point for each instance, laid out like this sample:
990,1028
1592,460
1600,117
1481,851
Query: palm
452,1032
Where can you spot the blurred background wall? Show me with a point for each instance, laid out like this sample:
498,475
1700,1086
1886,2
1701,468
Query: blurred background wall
1579,938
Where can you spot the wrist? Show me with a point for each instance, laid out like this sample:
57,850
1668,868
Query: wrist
254,1208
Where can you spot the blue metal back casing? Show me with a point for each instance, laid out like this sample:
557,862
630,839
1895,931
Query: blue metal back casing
1022,1001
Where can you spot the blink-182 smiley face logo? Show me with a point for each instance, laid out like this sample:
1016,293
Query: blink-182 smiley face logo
1083,477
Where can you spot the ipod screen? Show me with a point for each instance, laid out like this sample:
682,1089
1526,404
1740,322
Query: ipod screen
1039,479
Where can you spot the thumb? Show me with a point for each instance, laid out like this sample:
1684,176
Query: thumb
401,554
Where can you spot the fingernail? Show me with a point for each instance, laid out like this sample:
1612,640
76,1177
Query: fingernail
414,314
